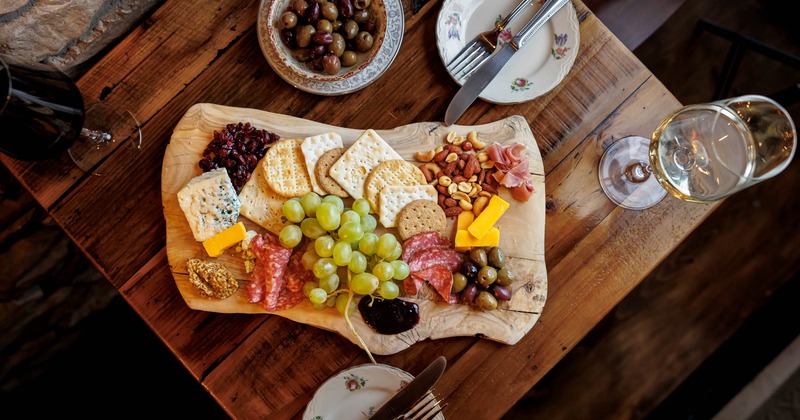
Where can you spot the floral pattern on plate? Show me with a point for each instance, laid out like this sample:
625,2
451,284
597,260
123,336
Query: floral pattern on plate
539,66
366,388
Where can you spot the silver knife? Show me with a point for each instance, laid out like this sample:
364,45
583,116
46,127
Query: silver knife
488,70
408,396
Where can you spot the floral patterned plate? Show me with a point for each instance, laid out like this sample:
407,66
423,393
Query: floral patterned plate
539,66
357,392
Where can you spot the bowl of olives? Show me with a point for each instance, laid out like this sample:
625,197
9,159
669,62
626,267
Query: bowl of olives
330,46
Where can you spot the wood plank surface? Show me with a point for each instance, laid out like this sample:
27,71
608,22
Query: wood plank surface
193,52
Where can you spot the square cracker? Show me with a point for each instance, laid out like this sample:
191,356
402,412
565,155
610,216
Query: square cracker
285,168
351,170
260,204
390,172
313,148
393,198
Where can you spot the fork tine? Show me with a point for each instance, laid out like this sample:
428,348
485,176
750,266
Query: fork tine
462,55
432,414
430,411
473,64
467,62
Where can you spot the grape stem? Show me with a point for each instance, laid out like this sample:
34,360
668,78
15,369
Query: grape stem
350,324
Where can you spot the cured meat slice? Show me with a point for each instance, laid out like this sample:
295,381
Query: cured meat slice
411,285
439,277
268,276
288,298
422,241
512,169
296,274
435,256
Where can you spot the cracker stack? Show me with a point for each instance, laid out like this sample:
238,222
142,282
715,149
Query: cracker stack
351,170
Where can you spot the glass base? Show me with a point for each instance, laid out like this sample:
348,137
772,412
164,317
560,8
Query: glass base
618,185
106,128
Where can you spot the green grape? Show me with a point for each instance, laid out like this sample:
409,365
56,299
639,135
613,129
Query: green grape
398,251
317,296
401,270
312,228
308,287
368,243
329,283
350,231
324,267
310,201
383,271
328,216
319,306
342,253
361,206
323,246
309,258
293,211
386,245
364,283
330,198
358,262
290,236
389,290
331,302
368,223
341,304
351,216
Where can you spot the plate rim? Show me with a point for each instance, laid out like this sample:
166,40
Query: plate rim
440,47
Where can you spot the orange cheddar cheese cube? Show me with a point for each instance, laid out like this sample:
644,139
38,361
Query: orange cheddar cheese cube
465,218
218,243
484,222
464,240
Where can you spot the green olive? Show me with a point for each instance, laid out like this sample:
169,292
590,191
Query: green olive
478,256
350,29
361,16
364,41
459,282
324,25
337,25
336,47
505,276
288,20
331,64
349,58
361,4
486,301
329,11
304,35
497,257
486,276
300,6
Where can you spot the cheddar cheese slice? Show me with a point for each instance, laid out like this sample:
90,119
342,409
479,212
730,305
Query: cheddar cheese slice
218,243
465,218
464,240
484,222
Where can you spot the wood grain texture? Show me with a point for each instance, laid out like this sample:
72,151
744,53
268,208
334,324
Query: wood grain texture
522,226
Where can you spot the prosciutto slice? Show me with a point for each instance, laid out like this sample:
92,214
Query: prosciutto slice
512,169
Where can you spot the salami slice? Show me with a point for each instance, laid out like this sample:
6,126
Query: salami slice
296,274
422,241
271,263
427,258
439,277
289,298
411,285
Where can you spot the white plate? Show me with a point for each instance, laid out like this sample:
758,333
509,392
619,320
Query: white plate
537,68
277,55
357,392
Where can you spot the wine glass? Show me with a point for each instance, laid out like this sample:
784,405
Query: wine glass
700,153
42,114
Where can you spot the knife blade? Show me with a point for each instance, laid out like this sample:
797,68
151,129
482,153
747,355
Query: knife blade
408,396
481,78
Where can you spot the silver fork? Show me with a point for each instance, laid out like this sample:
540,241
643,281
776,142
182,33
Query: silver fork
481,47
426,408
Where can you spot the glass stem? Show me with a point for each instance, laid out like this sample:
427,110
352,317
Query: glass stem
638,172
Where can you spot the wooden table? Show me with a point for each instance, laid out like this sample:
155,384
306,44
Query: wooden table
188,52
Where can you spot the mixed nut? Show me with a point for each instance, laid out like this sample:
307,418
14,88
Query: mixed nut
461,172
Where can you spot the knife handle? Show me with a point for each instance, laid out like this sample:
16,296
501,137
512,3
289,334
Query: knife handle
517,10
548,9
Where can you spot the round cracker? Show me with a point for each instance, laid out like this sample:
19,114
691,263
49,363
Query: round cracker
323,177
391,172
421,216
285,168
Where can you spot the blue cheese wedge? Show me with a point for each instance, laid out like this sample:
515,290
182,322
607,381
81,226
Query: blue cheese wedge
210,204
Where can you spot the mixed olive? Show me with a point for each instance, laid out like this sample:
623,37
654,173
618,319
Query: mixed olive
484,278
328,34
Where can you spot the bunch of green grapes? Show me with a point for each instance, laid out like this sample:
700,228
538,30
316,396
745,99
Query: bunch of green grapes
343,239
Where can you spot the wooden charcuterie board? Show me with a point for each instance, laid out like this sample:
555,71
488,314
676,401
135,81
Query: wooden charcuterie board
522,230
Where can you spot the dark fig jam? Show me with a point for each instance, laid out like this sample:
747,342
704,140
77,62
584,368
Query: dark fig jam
389,316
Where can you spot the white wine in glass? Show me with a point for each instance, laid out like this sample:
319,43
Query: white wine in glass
701,153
